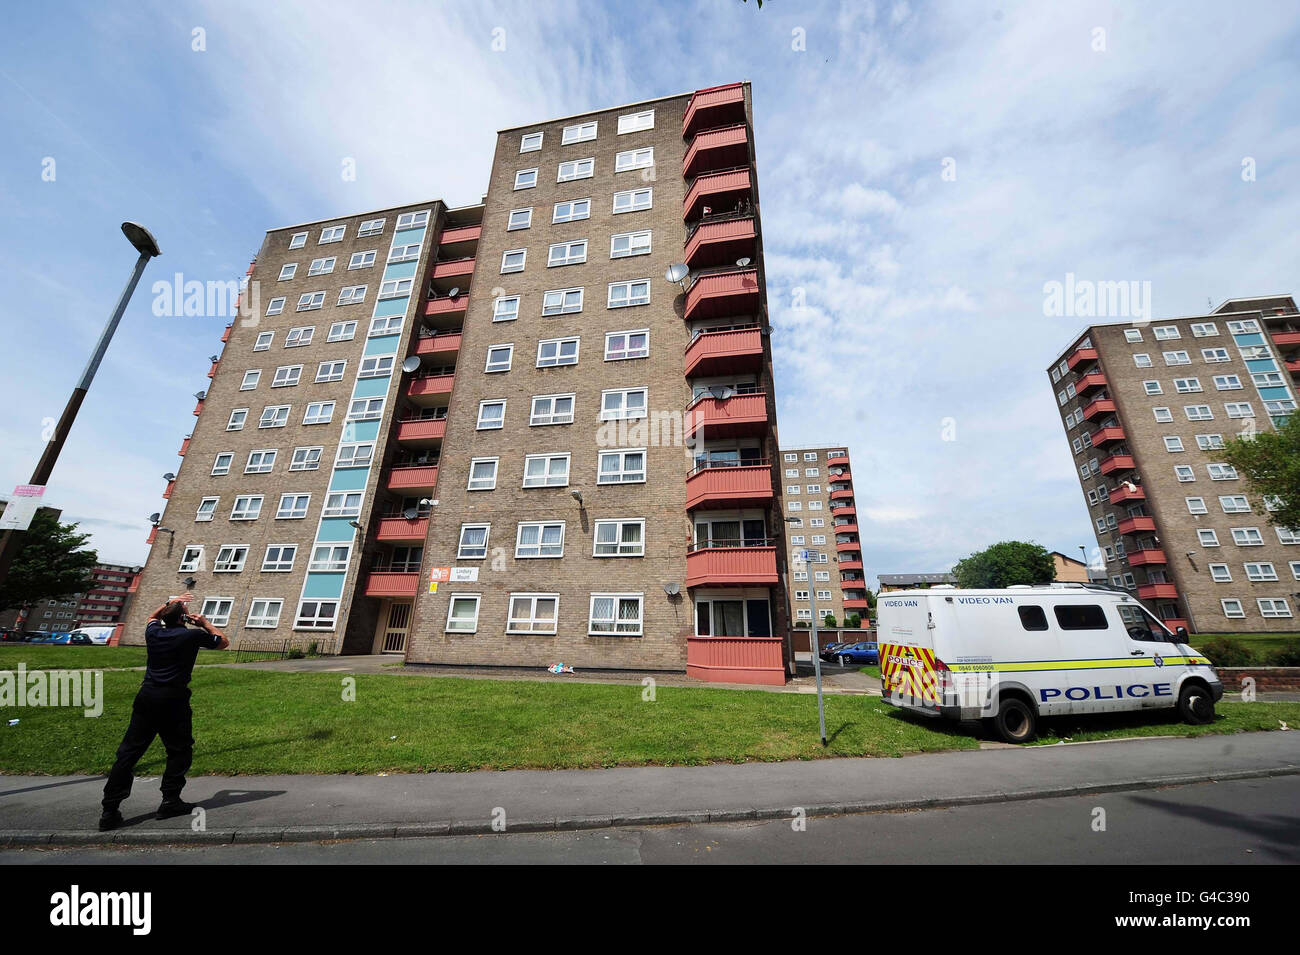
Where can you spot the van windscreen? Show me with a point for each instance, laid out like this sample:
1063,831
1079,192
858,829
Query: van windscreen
1081,617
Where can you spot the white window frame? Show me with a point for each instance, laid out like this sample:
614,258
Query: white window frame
617,627
541,527
547,479
623,471
618,544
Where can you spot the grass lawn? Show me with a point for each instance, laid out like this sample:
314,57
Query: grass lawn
871,670
1232,716
250,722
48,657
1258,642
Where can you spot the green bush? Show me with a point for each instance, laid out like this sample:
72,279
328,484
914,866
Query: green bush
854,621
1287,656
830,620
1224,652
296,653
801,624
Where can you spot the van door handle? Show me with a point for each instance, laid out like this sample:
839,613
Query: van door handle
1137,653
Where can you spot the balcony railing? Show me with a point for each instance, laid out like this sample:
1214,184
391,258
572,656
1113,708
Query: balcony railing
1098,406
1284,339
1122,494
1090,381
1139,558
445,305
230,329
401,529
1157,591
838,461
727,292
729,484
1106,435
723,192
420,477
1134,524
1081,355
720,148
443,343
1117,462
385,584
418,429
465,233
725,563
453,268
725,239
710,106
430,386
741,415
732,350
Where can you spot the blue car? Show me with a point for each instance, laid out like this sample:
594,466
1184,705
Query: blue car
857,653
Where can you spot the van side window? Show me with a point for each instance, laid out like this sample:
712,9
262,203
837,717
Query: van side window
1081,617
1032,618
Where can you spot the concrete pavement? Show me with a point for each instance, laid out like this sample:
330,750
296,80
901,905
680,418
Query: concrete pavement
63,810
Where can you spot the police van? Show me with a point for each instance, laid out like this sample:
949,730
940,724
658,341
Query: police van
1012,656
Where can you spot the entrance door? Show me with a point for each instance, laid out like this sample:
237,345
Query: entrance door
399,621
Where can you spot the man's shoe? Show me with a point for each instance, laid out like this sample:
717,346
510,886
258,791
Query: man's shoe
110,819
175,807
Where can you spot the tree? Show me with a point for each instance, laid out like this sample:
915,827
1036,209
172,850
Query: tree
52,563
1006,563
1270,463
830,620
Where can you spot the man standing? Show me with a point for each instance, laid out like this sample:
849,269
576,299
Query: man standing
162,708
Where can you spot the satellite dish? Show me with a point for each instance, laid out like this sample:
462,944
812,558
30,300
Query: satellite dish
721,392
677,272
411,513
200,395
214,358
411,364
742,262
169,476
155,517
672,588
455,290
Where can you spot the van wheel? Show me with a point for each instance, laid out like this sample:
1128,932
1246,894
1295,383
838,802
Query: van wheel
1015,721
1195,705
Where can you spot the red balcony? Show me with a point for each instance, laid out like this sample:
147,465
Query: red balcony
198,408
720,242
135,584
453,268
845,494
1173,623
726,566
1097,407
717,149
1117,462
400,529
851,565
167,492
464,233
434,386
185,446
1139,558
1157,591
1293,366
1090,381
855,603
734,417
1106,435
848,546
838,461
212,369
758,660
153,535
1081,355
714,107
419,478
392,585
843,510
1283,339
445,305
1134,524
1122,494
717,485
422,430
225,336
730,352
719,191
723,293
447,344
850,528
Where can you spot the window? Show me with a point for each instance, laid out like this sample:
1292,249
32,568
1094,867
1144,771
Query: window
370,227
513,260
1209,442
557,351
462,613
520,219
316,615
356,455
1163,415
635,122
633,200
330,557
319,412
321,266
217,610
499,358
1239,409
404,253
491,414
634,159
482,474
530,142
309,301
546,470
263,341
567,253
623,294
1215,354
1260,571
1152,387
473,542
264,614
1186,386
615,614
1232,607
287,271
332,233
562,301
1221,472
366,409
376,366
621,467
1173,443
1220,573
505,309
1204,329
575,169
274,416
572,211
330,370
275,306
526,178
1177,358
1234,504
1288,535
619,539
1295,569
551,409
1247,537
1166,332
623,404
386,325
412,220
191,560
221,464
1132,334
1080,617
532,613
1242,327
286,376
540,539
247,507
1184,473
1273,607
362,260
292,507
230,559
342,332
260,462
237,419
297,337
342,504
628,244
351,295
251,378
1198,412
305,459
1207,537
1142,360
298,240
395,288
1196,505
1227,382
579,133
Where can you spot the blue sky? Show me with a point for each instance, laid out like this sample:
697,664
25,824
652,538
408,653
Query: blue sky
900,298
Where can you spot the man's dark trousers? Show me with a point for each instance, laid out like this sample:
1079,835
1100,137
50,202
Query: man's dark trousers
154,714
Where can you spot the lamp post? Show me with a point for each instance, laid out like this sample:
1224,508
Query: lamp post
816,652
138,236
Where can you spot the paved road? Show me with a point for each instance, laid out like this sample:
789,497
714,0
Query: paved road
1240,822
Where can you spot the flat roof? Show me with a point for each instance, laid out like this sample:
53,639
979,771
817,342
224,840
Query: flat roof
352,215
608,109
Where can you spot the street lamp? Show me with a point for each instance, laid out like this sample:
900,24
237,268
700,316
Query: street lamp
144,243
816,652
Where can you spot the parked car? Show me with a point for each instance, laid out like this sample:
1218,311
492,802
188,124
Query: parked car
11,636
827,651
62,639
97,636
864,652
